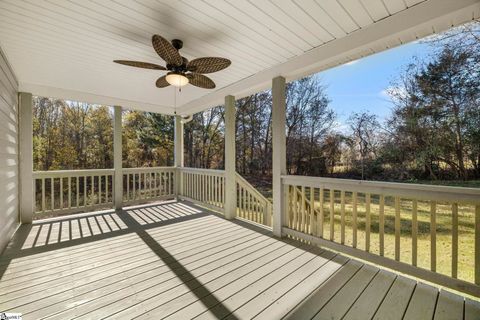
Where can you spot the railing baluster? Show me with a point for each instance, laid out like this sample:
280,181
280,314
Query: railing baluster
454,240
52,196
342,217
414,231
354,214
252,206
433,236
93,190
99,189
248,204
193,184
303,223
69,192
77,193
381,224
397,228
145,186
313,221
106,188
196,191
61,193
151,184
208,192
189,185
43,195
205,188
215,190
84,191
477,244
134,186
367,222
332,214
128,187
294,207
288,204
244,209
321,220
200,182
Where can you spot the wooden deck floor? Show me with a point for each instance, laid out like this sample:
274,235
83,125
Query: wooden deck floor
178,261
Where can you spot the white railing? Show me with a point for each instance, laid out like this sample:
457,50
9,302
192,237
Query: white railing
432,232
147,184
69,191
203,186
251,204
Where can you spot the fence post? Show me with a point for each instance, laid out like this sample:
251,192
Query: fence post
117,157
27,195
279,147
230,170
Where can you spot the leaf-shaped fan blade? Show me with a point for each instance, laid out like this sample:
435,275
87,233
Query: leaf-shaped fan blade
140,64
166,51
201,81
162,82
208,64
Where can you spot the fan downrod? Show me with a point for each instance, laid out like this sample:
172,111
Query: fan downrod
177,44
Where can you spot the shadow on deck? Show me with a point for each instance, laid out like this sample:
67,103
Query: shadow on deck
176,260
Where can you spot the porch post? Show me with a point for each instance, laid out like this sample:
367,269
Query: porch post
178,153
230,170
25,137
117,156
279,157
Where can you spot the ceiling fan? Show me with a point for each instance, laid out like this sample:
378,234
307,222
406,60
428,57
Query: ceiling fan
180,70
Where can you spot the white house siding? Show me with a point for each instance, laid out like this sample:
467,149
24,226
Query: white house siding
9,188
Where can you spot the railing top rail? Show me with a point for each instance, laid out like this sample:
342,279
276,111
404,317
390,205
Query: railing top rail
199,170
414,191
251,188
128,170
66,173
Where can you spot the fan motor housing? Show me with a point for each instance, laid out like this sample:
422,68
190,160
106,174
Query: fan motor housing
177,44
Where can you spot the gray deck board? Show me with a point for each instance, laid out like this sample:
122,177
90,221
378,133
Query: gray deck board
178,261
423,302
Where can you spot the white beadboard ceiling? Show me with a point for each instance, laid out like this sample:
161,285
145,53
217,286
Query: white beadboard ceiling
65,48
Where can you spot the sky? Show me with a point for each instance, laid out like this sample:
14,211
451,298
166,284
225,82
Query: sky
361,84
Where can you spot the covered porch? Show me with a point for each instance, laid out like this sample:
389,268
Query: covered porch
179,242
175,260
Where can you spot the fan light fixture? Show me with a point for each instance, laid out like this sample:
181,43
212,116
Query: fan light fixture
177,80
180,71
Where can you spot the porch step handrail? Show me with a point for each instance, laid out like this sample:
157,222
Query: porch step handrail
341,214
251,204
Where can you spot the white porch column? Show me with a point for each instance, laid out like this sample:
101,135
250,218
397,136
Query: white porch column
25,137
279,153
230,170
178,153
117,156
